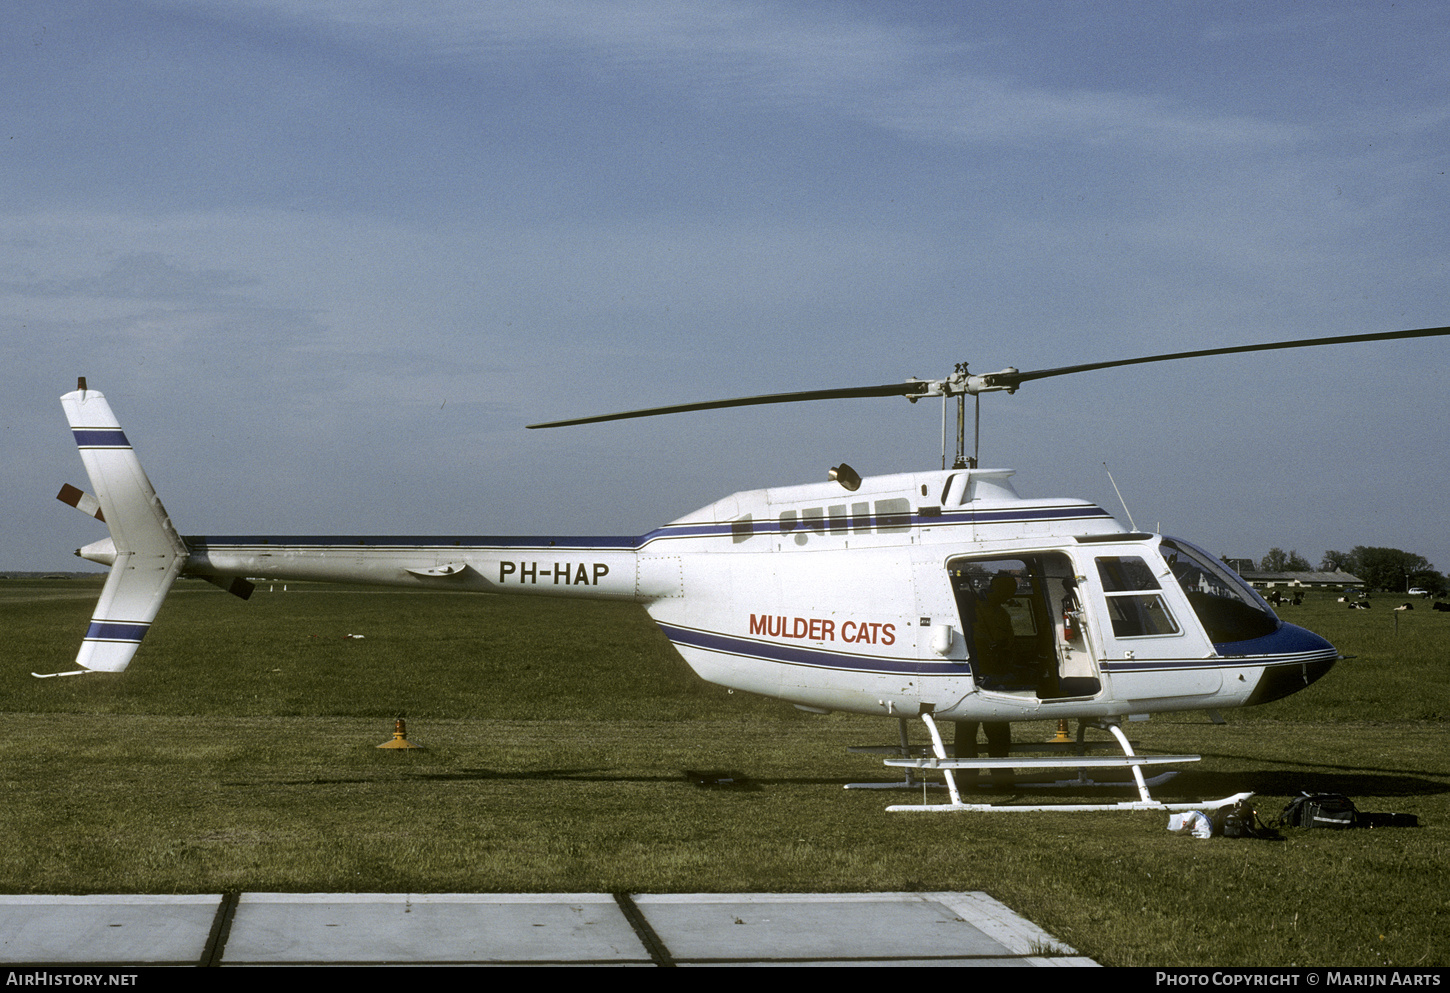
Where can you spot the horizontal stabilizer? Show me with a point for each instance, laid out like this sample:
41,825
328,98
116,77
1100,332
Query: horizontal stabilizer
129,602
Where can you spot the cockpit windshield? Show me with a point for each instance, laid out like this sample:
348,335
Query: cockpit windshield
1228,607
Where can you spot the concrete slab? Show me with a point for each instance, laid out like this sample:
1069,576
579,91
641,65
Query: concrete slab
892,929
106,930
377,928
859,928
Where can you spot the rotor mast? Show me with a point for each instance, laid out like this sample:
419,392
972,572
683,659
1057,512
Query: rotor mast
959,384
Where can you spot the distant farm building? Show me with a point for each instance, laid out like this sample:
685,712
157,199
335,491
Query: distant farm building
1337,580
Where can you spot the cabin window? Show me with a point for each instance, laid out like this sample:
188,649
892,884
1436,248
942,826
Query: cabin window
1134,608
893,515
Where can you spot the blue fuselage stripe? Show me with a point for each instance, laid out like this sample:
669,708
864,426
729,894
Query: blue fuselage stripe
743,530
669,531
1233,662
786,654
822,658
545,542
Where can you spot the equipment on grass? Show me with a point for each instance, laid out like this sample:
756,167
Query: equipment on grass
399,740
1322,810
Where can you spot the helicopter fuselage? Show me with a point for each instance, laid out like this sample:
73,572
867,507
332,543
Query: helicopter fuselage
940,592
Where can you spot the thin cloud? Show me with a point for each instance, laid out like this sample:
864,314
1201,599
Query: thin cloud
900,78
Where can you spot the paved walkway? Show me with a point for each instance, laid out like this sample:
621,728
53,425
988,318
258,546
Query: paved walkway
889,929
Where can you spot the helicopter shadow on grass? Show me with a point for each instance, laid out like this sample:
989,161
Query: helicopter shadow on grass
582,775
1262,782
713,779
1343,780
719,780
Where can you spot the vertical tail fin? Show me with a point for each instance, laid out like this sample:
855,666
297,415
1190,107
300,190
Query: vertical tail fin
145,552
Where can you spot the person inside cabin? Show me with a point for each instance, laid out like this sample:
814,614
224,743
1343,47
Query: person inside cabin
992,634
993,631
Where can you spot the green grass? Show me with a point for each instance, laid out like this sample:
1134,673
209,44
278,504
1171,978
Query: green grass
238,753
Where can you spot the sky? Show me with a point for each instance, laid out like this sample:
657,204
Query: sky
326,258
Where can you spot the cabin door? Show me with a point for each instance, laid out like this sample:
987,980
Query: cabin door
1021,620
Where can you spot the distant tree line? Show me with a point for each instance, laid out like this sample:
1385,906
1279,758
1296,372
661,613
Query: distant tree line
1389,569
1280,561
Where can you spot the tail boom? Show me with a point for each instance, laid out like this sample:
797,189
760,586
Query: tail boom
583,568
146,554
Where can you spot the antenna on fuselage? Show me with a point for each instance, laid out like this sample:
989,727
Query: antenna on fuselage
1119,492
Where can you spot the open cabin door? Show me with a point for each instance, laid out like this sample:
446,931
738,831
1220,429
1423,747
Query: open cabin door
1021,617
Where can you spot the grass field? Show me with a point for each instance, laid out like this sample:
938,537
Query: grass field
562,742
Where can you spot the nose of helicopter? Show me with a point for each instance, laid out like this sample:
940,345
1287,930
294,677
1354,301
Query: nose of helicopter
1293,658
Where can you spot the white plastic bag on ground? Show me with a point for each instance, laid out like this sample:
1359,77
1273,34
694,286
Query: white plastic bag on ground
1194,822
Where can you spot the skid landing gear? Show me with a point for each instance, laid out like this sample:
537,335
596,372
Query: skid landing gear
939,760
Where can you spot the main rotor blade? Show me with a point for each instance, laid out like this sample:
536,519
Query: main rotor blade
998,380
1014,379
909,388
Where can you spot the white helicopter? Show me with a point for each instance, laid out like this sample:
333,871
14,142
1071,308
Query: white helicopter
936,595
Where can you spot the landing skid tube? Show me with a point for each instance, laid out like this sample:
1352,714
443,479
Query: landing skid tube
1133,762
905,750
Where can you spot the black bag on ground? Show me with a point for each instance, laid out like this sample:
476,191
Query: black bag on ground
1322,810
1385,820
